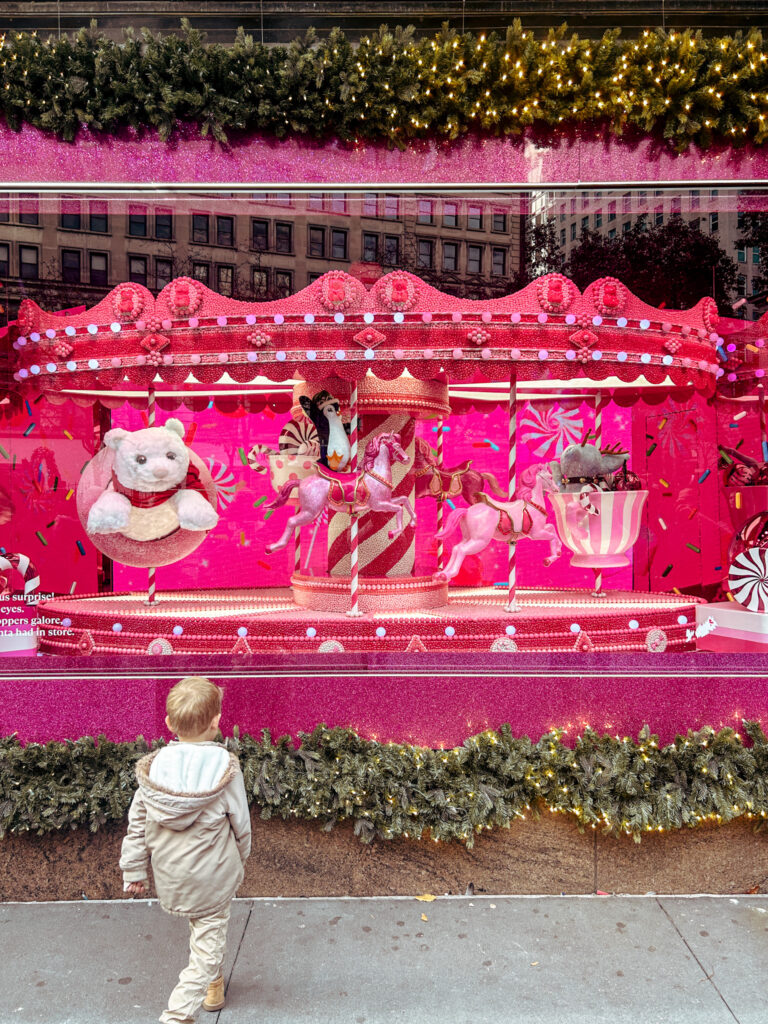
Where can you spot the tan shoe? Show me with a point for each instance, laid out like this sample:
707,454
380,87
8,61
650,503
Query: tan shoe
214,999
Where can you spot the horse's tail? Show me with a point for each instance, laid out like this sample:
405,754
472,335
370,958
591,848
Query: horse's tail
452,522
282,497
493,485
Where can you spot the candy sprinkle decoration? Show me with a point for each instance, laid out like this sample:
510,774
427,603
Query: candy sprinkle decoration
748,579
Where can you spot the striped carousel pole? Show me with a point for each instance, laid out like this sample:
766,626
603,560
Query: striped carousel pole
440,546
761,413
511,605
151,410
354,571
599,406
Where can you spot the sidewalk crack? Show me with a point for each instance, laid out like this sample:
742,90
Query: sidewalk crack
237,954
709,977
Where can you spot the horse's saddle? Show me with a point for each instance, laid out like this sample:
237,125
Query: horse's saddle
444,485
348,493
510,529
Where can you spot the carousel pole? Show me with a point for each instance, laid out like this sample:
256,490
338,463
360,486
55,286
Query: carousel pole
151,409
511,605
440,547
354,578
761,411
599,405
297,551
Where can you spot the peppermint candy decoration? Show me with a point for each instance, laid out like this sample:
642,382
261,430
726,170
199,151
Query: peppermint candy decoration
555,293
398,292
748,579
186,295
160,646
224,482
331,647
258,457
127,302
504,645
549,431
22,565
656,640
299,437
610,296
585,499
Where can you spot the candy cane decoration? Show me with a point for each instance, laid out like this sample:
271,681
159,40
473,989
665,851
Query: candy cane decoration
354,577
598,591
25,568
511,486
440,547
151,410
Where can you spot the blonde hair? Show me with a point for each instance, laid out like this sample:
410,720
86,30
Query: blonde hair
192,705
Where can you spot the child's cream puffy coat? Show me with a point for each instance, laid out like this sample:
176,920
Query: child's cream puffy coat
190,816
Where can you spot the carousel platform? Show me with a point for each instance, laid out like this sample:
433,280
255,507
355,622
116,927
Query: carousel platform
270,622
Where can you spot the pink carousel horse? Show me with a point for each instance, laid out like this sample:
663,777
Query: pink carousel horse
371,491
440,484
509,521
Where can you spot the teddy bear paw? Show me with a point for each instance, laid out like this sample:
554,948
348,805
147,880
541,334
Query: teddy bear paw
198,517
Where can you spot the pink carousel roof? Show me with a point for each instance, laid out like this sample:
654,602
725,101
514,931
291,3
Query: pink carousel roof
335,327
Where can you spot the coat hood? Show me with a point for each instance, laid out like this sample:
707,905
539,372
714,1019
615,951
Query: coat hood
179,781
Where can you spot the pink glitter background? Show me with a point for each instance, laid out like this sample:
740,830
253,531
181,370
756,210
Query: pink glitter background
576,156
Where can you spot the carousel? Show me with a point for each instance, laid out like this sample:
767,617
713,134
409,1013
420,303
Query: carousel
350,479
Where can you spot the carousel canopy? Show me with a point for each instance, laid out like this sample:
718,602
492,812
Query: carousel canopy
190,336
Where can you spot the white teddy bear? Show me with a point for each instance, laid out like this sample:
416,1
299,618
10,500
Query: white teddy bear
154,490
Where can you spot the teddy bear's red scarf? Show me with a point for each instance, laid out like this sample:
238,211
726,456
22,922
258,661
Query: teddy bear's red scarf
151,499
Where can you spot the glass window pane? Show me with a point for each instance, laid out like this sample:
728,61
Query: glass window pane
200,227
370,248
201,272
260,234
137,221
224,279
98,268
70,214
283,237
98,217
28,262
338,244
137,269
70,266
317,242
163,224
225,231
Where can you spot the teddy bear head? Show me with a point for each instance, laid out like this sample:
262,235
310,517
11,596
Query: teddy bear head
153,459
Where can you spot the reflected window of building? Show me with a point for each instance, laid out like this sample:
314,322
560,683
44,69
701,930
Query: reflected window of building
283,282
283,237
499,222
316,242
225,279
97,217
450,256
29,211
426,253
29,262
474,259
70,214
97,269
391,207
137,269
260,234
137,221
499,262
260,282
70,266
338,244
225,231
200,230
474,217
450,214
424,214
391,250
5,259
163,224
202,272
163,273
370,204
370,247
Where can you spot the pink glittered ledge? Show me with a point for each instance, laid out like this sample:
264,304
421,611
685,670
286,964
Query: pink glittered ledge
429,700
577,155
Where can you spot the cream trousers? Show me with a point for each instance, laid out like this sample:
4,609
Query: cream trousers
207,946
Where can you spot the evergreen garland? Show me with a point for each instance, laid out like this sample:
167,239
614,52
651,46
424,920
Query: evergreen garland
619,785
676,85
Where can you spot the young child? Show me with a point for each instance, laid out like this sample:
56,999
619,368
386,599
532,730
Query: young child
190,816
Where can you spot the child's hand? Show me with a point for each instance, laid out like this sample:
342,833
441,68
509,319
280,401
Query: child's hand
137,889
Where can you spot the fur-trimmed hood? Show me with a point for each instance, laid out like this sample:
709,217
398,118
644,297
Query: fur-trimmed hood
179,781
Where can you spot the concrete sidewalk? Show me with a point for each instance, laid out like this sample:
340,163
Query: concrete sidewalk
457,960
